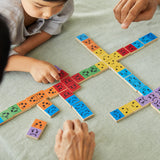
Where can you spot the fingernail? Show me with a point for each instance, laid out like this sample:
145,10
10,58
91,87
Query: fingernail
124,26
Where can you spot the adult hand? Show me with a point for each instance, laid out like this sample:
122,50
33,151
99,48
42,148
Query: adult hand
74,142
128,11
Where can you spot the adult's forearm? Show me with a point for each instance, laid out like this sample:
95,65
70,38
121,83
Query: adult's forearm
32,42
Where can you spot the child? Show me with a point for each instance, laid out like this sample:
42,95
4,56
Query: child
4,44
31,23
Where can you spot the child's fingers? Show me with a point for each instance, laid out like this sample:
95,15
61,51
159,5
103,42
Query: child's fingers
45,81
50,78
55,74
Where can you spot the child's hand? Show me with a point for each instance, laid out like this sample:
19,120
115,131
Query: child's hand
128,11
44,72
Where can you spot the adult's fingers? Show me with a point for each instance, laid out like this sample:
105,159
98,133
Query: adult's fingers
68,125
133,13
117,10
58,138
85,127
92,146
77,125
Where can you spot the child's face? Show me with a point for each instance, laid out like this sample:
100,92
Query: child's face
41,9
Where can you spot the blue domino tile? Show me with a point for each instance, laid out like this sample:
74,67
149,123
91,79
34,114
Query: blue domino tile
137,44
124,73
82,110
145,39
117,114
72,100
51,110
145,90
82,37
134,82
1,120
151,36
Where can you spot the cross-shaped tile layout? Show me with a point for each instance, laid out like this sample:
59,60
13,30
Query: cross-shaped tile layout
69,85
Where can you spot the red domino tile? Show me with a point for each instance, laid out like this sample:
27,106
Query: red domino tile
66,94
123,51
74,87
78,78
67,80
59,87
130,48
63,74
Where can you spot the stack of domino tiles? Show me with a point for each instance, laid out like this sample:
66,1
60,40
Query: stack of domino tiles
36,129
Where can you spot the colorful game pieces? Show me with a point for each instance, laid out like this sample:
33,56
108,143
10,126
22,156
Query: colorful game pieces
143,101
124,73
117,115
82,110
51,92
85,73
24,105
78,78
66,94
138,44
33,100
5,116
41,95
59,87
48,108
101,66
63,74
144,90
82,37
94,70
72,100
123,52
36,129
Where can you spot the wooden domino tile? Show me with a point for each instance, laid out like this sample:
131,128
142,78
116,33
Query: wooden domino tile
134,82
82,110
124,73
143,101
48,108
66,81
59,69
85,73
63,74
105,58
99,53
59,87
117,67
33,100
36,129
5,116
132,49
151,97
82,37
117,115
87,42
66,94
24,105
101,66
138,44
94,70
73,87
123,52
15,110
93,47
134,105
72,100
126,110
156,104
41,95
78,78
111,63
116,56
51,92
157,91
145,90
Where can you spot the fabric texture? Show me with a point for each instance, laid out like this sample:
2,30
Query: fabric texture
134,138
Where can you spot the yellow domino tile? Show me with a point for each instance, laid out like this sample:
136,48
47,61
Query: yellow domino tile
99,51
126,110
111,63
116,56
117,67
134,105
101,66
105,57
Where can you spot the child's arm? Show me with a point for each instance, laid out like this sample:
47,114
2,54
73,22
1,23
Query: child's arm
32,42
41,71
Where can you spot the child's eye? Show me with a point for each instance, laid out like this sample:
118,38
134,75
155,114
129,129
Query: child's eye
38,6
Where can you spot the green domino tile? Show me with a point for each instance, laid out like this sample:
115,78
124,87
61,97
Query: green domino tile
6,115
85,73
94,70
14,109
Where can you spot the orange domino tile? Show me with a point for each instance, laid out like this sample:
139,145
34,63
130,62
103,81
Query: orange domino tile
41,95
39,124
93,47
24,105
44,104
51,92
33,99
88,42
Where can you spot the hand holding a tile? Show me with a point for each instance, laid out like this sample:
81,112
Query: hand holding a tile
128,11
74,142
44,72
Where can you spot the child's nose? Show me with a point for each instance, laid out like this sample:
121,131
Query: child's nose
47,14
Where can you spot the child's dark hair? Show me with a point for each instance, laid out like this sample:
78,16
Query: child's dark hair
4,45
56,0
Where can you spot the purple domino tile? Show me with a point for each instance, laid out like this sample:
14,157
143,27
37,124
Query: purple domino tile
152,97
57,68
143,101
157,91
156,103
34,132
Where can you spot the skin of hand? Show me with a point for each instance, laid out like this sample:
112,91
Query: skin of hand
74,142
128,11
44,72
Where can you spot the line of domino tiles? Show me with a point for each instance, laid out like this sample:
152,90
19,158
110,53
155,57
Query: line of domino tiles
111,60
36,129
51,92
